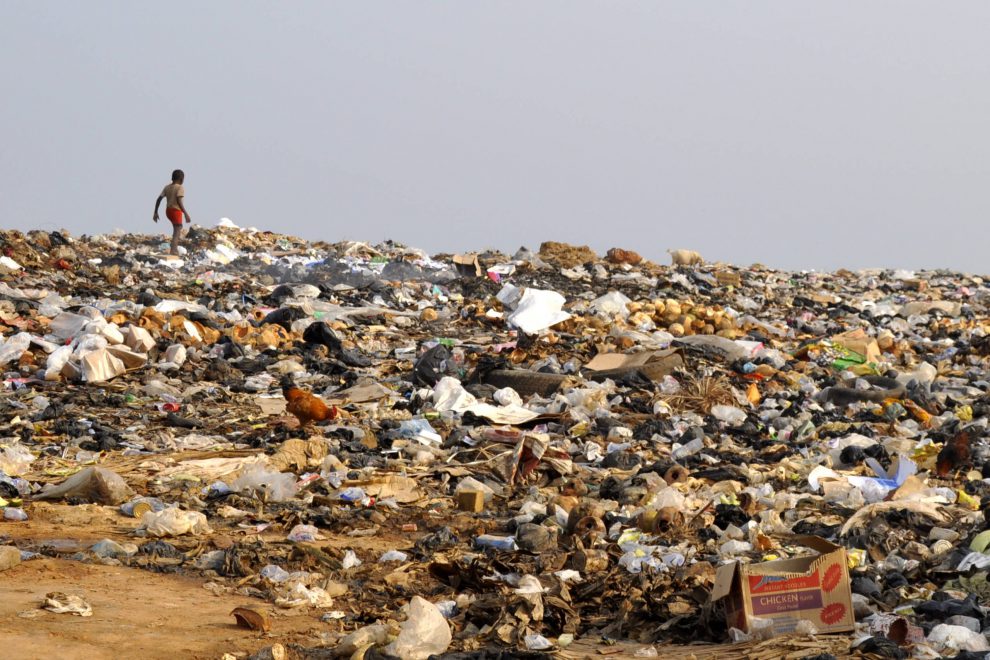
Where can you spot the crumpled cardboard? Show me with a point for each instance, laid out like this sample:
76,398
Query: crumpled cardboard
651,364
131,359
100,366
138,339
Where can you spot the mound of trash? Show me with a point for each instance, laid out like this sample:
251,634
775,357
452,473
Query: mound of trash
481,453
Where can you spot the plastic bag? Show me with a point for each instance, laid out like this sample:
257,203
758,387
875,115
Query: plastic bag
67,325
279,486
319,332
174,522
274,573
57,361
350,560
449,394
951,638
393,555
300,595
15,514
431,365
538,310
419,430
109,548
729,414
93,484
610,304
304,533
424,632
507,397
15,460
730,349
12,349
536,642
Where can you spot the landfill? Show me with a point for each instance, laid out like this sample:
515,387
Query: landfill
268,447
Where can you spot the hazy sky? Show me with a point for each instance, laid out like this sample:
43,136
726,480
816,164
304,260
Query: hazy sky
793,133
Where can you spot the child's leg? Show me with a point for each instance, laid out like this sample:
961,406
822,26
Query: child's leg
176,232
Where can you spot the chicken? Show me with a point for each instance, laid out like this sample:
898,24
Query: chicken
307,407
955,455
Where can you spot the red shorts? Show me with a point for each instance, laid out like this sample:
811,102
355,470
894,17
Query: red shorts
174,215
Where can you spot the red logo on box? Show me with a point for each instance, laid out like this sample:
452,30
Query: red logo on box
833,613
832,576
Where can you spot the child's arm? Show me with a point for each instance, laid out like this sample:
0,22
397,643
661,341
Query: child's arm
157,204
184,211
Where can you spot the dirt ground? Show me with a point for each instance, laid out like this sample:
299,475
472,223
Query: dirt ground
136,614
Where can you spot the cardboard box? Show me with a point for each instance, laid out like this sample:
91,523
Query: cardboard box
651,364
471,500
467,265
814,588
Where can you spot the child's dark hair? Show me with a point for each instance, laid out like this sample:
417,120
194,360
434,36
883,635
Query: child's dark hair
178,176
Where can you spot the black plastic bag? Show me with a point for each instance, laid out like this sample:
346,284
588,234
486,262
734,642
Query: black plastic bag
283,317
431,366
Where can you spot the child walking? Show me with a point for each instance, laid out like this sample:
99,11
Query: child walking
174,210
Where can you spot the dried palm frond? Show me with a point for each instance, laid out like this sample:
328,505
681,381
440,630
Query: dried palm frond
112,275
699,394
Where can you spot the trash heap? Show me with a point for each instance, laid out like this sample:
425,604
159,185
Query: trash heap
521,452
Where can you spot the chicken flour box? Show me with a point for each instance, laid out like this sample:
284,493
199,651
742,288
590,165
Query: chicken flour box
814,588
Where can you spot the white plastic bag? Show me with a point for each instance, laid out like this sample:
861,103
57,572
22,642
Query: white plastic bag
279,486
449,394
174,522
610,304
424,632
57,361
67,325
15,460
729,414
14,347
538,310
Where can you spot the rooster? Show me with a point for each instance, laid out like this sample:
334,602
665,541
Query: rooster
955,455
307,407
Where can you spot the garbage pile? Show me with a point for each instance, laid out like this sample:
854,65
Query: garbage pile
456,454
